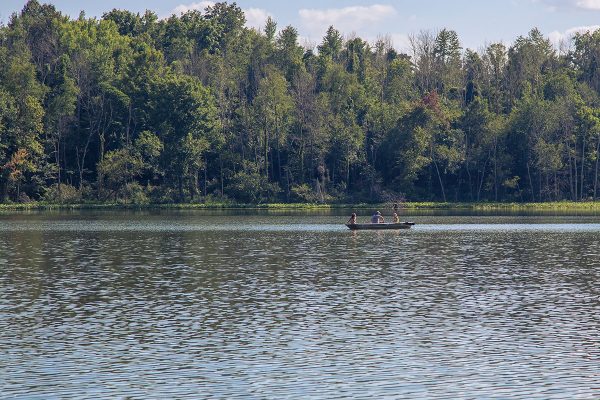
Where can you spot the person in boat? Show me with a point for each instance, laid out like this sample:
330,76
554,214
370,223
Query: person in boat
395,218
352,220
377,218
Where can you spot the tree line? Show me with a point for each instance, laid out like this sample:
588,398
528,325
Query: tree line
197,107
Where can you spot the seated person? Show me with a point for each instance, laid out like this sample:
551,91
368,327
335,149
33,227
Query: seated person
396,218
377,218
352,220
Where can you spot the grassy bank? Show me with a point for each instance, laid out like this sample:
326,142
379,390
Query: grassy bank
556,205
563,205
175,206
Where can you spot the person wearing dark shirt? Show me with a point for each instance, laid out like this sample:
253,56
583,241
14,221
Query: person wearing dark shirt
377,218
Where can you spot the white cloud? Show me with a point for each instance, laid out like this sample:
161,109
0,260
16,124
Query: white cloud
588,4
401,42
555,5
557,37
183,8
347,19
255,17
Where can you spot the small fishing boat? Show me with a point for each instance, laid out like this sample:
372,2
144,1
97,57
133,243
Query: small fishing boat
399,225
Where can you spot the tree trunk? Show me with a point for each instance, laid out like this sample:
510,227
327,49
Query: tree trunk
266,151
58,170
287,175
100,178
195,186
437,170
347,174
576,178
279,174
467,163
530,183
222,175
555,186
441,182
495,168
4,191
205,178
482,179
180,186
582,168
540,186
596,168
570,172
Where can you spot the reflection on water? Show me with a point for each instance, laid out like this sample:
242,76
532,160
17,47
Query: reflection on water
200,305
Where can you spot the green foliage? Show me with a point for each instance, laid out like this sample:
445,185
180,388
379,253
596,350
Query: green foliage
62,194
116,170
252,187
332,44
149,147
197,107
305,194
183,113
134,193
585,58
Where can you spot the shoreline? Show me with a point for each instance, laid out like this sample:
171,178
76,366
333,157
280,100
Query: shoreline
563,205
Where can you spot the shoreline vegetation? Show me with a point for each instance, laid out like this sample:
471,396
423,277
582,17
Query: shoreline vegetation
130,108
475,206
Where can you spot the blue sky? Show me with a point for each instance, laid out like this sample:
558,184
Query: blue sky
477,22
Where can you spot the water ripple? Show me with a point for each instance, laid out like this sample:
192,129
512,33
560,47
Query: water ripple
144,307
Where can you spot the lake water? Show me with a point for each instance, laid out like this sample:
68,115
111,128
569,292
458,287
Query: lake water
265,305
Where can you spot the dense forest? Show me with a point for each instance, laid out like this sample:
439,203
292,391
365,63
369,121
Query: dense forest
199,108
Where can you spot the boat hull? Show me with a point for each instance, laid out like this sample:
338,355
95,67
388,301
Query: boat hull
400,225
